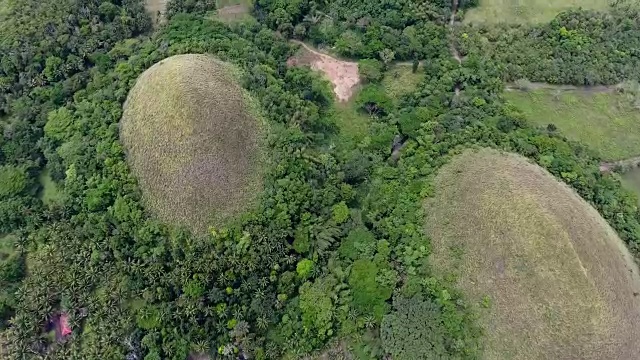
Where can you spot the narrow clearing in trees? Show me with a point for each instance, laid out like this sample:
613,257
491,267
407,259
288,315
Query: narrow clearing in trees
342,74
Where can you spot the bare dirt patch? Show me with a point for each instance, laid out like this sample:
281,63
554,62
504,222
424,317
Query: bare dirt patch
342,74
549,277
156,9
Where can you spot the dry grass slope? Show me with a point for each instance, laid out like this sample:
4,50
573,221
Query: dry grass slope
559,282
192,141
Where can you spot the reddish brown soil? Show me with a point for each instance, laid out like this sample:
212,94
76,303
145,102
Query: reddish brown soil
342,74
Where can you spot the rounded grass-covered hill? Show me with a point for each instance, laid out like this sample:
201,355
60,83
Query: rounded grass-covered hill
192,141
548,276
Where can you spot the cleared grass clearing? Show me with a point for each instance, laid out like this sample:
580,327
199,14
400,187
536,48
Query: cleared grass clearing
526,11
193,141
400,80
548,276
606,122
49,193
631,180
234,10
353,124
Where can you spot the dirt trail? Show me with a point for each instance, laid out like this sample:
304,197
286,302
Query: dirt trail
609,166
454,51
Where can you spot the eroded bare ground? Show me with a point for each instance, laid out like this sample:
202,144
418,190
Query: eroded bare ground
156,8
342,74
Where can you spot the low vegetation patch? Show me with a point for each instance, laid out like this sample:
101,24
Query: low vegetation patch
233,10
192,141
526,12
400,80
607,122
49,193
549,277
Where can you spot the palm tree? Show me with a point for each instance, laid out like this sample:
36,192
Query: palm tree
262,323
369,322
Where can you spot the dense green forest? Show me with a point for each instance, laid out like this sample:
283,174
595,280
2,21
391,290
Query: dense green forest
334,258
578,47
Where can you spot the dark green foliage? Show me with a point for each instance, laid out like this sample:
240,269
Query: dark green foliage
360,243
578,47
373,100
413,330
363,29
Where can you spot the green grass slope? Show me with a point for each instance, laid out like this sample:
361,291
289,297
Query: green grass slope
192,141
526,11
606,122
550,279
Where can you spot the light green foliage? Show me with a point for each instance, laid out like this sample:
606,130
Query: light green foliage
193,289
13,180
369,296
370,70
58,124
301,241
317,308
353,124
400,80
526,12
606,122
304,268
414,330
340,212
410,122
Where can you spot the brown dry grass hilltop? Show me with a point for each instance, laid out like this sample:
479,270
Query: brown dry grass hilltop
192,141
548,276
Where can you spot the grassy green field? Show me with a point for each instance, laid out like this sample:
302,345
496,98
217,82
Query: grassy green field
399,80
526,11
631,180
234,10
604,121
353,124
548,276
49,193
